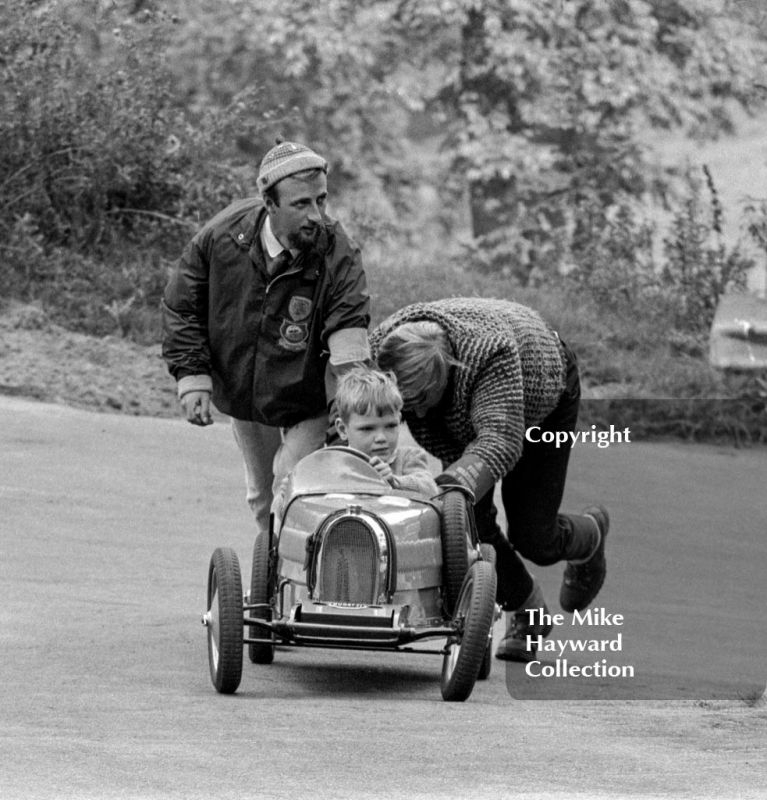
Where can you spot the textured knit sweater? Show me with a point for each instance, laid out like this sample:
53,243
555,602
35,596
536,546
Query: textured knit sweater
511,376
411,471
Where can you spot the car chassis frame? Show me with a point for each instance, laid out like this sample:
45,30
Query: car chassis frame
285,605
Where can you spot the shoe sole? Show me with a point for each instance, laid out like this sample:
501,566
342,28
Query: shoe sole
522,656
595,512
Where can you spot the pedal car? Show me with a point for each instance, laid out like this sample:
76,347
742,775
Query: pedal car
352,563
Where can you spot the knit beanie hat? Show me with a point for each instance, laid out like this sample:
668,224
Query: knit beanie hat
286,159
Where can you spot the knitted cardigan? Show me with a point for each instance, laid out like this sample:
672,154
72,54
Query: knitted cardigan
511,376
410,466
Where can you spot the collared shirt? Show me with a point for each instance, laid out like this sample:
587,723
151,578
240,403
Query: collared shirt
271,244
273,247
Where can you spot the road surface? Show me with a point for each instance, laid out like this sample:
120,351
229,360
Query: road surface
108,523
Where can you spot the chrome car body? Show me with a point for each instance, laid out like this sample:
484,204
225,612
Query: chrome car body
352,563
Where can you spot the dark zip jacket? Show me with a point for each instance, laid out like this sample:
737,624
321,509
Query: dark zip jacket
263,340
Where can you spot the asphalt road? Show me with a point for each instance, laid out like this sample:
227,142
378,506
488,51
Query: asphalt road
107,524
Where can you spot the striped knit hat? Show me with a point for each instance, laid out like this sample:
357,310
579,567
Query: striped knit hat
286,159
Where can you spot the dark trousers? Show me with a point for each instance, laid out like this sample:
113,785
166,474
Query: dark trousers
532,494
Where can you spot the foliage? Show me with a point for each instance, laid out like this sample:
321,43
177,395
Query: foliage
739,422
100,166
546,99
126,123
755,217
699,268
637,369
324,71
83,145
611,254
613,259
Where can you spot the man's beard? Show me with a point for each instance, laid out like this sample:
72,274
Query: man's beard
315,242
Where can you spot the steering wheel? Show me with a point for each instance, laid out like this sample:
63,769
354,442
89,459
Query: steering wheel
344,448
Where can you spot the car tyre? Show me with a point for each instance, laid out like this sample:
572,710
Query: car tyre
473,620
455,546
489,555
225,628
260,652
487,661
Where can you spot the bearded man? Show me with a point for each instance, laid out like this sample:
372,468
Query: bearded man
267,305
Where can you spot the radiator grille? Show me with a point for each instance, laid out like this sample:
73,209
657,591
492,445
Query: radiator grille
348,564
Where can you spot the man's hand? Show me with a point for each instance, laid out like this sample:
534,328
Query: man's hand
196,406
382,468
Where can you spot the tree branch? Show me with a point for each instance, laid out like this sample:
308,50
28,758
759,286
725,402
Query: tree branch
155,214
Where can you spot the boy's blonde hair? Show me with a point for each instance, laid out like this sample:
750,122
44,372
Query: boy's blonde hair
420,355
367,391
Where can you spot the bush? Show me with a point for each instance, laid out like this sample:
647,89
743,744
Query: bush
612,260
611,254
87,125
104,177
699,268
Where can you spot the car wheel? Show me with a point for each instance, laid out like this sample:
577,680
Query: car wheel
455,546
224,620
260,652
473,620
488,553
487,661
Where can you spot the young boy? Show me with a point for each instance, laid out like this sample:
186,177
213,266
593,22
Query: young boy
368,404
369,407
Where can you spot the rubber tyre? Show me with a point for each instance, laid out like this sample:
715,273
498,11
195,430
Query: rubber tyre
473,617
225,628
489,555
487,661
455,546
259,593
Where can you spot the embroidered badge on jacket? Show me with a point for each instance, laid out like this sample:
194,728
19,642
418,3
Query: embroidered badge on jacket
293,335
299,308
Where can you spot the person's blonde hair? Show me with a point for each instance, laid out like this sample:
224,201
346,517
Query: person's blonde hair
420,355
363,390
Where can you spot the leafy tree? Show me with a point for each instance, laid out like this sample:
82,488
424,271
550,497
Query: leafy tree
85,125
547,98
322,71
127,122
101,172
539,103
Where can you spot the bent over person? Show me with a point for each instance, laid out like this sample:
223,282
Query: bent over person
267,303
475,374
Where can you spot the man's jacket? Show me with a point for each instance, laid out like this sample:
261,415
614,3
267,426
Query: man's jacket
263,340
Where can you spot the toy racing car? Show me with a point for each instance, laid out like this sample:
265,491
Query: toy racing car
352,563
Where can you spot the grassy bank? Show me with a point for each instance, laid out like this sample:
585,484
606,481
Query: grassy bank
638,370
